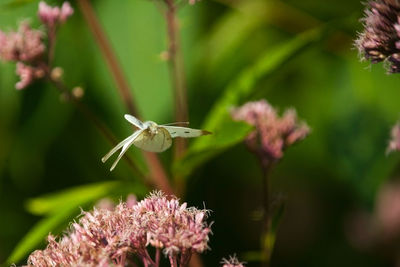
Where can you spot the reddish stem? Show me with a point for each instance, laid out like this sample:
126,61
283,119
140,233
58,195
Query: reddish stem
177,73
109,55
157,257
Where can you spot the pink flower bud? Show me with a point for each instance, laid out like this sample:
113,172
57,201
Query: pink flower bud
51,16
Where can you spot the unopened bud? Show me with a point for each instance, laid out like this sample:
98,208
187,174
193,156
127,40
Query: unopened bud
57,73
78,92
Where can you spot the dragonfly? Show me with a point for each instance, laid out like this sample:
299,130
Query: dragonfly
151,137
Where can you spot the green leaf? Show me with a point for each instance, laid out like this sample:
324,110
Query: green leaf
242,87
38,232
218,121
15,4
72,197
231,30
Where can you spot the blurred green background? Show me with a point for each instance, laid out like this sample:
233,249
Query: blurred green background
326,181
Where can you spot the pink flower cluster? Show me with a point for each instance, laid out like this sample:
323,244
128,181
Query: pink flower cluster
232,262
381,37
106,237
273,134
26,46
51,16
394,142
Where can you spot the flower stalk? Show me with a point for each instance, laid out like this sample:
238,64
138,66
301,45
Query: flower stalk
109,55
177,72
272,135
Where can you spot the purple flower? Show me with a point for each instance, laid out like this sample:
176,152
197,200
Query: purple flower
26,47
106,237
272,134
172,227
381,37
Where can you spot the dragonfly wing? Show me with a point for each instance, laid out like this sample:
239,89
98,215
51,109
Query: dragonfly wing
125,147
134,121
154,142
185,132
117,147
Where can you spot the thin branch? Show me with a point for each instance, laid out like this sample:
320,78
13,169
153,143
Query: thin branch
109,55
158,252
266,166
177,73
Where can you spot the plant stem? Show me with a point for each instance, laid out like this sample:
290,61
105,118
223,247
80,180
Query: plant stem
51,33
266,166
172,261
177,73
157,257
158,173
109,55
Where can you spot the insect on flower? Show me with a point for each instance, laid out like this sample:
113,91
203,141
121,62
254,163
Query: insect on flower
151,137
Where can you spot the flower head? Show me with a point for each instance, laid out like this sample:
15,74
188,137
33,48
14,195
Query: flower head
273,134
232,262
24,45
106,237
381,37
171,226
51,16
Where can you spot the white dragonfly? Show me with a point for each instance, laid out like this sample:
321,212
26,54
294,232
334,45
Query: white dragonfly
151,137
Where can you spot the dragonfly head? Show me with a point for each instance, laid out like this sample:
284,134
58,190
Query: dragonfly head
152,126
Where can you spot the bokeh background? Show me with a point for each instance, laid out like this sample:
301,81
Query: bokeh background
342,207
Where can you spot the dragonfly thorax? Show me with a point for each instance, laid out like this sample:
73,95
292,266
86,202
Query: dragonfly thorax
152,126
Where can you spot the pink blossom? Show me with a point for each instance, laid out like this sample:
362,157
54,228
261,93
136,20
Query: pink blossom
27,75
394,142
381,37
171,226
51,16
108,237
24,45
272,134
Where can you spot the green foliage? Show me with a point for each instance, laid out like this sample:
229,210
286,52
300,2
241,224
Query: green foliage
37,233
15,3
73,197
58,208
